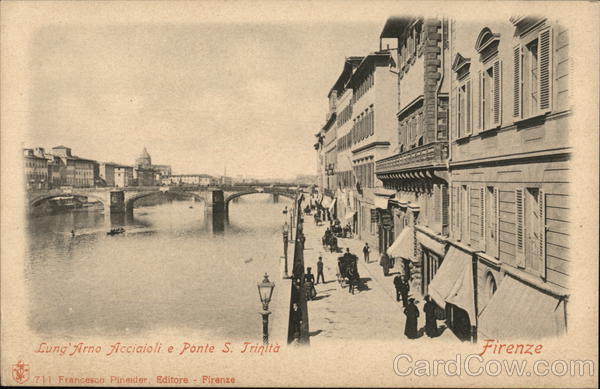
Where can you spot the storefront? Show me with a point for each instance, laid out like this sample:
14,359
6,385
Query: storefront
432,255
452,288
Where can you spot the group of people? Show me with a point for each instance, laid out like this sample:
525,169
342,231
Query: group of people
330,241
402,285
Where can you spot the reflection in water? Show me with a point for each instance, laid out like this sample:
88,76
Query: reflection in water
167,270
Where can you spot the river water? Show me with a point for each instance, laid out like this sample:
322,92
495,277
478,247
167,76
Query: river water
169,270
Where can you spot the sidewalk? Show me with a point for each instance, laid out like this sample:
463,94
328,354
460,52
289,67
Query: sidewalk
372,313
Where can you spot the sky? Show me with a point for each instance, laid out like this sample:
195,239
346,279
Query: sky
201,97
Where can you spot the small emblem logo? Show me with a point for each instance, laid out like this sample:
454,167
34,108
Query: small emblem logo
20,372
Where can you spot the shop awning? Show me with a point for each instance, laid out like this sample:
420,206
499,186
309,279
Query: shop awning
348,217
431,244
331,205
381,202
403,245
517,311
453,282
326,202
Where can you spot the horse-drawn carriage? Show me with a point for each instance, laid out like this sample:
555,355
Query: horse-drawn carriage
348,271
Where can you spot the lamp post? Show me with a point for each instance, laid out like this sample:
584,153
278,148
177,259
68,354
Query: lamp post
265,291
285,247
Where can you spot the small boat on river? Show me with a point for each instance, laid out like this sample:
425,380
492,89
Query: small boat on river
115,231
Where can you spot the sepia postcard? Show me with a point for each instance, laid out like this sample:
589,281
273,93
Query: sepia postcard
299,193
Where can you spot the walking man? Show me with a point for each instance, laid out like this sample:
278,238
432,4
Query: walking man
320,270
404,289
366,251
398,286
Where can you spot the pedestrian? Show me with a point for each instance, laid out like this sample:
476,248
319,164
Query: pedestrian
309,284
72,233
404,290
351,280
398,286
385,263
430,320
296,320
366,251
320,270
412,313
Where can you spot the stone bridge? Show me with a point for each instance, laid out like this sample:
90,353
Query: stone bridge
122,200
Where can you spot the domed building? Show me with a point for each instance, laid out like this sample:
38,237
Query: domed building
144,160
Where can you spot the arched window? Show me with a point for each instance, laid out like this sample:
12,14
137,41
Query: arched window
490,286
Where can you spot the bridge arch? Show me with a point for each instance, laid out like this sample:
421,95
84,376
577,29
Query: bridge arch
40,199
228,199
130,201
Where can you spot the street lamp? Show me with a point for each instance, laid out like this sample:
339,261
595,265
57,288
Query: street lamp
265,291
285,233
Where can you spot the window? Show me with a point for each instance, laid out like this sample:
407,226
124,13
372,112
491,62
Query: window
532,86
530,221
465,119
490,97
490,221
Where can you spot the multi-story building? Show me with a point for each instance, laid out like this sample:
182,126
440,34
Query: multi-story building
74,171
510,174
107,172
416,207
480,206
123,176
345,176
36,170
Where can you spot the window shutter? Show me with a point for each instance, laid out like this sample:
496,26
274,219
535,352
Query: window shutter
436,203
468,216
453,201
482,220
481,100
445,204
517,82
545,78
459,213
468,113
497,222
519,218
542,205
497,94
454,113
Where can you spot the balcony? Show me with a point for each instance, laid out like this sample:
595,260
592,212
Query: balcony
430,155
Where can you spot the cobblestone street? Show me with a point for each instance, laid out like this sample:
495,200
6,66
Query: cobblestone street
371,313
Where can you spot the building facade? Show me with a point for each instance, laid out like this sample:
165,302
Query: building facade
413,216
123,176
74,171
510,172
36,170
477,193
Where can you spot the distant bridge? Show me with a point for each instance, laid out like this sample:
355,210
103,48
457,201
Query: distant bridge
120,200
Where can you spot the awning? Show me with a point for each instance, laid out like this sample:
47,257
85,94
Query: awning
381,202
332,205
517,311
431,244
326,202
403,245
453,282
348,217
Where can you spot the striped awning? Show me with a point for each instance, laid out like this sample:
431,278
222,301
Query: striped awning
453,282
403,245
519,311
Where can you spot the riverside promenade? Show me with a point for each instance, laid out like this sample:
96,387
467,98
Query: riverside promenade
372,312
